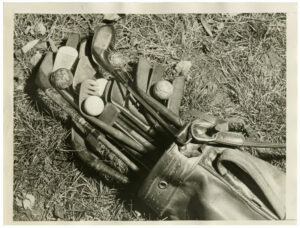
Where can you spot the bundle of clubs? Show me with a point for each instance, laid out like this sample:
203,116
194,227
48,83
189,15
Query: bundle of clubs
135,117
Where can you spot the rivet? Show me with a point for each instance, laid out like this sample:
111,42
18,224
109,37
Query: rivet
162,184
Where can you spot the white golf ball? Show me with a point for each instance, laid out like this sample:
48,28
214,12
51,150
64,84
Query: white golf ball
163,90
93,105
101,84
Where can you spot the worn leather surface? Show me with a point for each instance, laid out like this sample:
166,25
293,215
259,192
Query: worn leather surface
187,185
257,174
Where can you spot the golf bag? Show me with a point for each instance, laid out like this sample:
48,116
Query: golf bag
200,182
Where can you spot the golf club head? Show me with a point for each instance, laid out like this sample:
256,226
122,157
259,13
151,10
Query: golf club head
82,48
42,77
144,82
109,114
142,74
118,95
67,55
73,40
79,144
100,53
174,102
103,40
65,58
84,69
176,97
157,75
87,88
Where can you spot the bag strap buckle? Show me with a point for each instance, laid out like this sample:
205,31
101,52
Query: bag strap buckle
200,128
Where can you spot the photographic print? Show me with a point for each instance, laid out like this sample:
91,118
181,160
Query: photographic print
149,116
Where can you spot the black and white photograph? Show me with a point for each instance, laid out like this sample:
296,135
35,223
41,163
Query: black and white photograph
149,116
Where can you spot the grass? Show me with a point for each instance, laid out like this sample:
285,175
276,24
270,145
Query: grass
238,73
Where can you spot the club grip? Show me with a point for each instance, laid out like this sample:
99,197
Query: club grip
94,138
98,165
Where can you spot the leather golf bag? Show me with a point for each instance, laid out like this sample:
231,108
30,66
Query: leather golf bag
197,181
200,182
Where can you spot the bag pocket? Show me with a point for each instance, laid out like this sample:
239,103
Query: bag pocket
199,183
259,181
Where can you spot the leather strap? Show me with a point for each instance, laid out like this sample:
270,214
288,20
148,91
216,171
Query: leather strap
237,139
200,127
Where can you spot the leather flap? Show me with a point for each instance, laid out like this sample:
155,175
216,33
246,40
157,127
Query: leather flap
268,178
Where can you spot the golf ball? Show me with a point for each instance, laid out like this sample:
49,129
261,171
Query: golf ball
93,105
163,90
62,78
101,84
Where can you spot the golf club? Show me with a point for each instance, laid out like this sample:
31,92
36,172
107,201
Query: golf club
44,83
110,115
84,69
84,92
156,76
42,79
135,135
73,41
93,136
101,41
142,74
178,89
92,160
174,101
100,55
67,55
142,81
117,96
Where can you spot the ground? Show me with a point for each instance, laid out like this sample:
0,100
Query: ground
238,73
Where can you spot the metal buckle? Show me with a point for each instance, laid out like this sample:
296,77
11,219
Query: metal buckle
198,129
